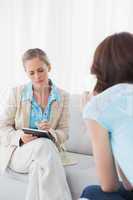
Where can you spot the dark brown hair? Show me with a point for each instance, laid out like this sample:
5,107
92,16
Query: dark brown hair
113,61
34,53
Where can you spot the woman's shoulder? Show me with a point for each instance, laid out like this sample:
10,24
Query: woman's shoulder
117,95
18,91
118,89
63,93
20,87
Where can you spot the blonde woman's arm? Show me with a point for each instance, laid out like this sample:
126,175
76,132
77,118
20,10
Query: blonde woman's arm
61,131
8,134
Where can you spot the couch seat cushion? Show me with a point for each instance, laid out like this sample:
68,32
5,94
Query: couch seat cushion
81,174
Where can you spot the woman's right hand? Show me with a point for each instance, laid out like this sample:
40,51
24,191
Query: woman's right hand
27,138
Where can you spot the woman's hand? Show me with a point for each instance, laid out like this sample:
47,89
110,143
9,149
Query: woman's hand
44,125
27,138
85,97
126,184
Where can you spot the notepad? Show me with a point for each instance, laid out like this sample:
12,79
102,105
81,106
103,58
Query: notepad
37,132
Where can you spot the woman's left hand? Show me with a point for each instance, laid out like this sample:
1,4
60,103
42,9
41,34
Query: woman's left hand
44,125
126,184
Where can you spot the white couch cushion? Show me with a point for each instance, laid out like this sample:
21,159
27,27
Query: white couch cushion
81,174
79,140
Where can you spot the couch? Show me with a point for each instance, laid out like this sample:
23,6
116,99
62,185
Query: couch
79,174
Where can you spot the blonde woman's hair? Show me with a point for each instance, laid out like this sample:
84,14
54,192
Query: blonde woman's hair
36,53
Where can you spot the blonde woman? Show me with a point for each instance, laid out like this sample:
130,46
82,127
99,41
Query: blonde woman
38,105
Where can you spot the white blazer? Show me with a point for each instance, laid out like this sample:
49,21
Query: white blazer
16,116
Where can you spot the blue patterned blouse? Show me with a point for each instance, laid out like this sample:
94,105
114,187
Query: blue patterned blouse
36,113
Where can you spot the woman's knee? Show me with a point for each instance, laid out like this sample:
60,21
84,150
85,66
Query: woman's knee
45,155
44,146
95,192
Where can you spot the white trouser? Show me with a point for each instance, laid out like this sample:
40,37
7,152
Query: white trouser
40,158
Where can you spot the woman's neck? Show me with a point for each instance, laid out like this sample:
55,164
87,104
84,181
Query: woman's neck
41,95
42,90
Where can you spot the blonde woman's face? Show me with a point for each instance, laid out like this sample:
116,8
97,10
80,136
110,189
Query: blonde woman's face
37,71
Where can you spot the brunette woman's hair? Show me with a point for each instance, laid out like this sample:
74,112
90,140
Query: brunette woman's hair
113,61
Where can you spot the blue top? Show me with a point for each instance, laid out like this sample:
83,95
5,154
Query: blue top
113,109
36,113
